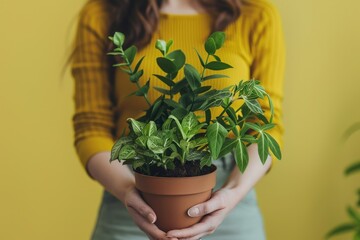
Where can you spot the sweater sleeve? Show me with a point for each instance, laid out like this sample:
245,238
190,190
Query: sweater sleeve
268,51
93,119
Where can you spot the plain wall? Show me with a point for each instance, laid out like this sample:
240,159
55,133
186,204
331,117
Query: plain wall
45,194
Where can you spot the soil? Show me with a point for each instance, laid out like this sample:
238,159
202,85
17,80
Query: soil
189,169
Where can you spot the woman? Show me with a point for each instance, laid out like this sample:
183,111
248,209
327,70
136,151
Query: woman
254,47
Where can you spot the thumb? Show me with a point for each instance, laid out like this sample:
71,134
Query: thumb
215,203
139,205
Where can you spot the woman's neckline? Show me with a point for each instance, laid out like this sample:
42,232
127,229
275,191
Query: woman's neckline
184,15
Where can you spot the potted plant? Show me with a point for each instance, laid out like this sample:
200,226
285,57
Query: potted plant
172,146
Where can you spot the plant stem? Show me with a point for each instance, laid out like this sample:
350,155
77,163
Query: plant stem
204,68
131,72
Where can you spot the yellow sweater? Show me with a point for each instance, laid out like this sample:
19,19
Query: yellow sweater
254,46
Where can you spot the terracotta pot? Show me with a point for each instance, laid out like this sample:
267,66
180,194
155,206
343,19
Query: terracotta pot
171,197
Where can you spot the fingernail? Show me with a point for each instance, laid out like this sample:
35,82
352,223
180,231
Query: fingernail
151,218
193,212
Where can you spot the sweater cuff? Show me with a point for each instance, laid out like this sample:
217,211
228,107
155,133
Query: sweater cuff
89,146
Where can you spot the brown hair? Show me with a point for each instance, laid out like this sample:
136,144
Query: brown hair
139,19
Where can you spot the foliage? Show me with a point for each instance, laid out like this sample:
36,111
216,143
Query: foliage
354,214
171,132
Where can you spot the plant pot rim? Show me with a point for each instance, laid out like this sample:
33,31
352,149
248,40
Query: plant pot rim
213,166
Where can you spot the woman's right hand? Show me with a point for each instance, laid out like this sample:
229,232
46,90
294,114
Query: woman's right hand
142,214
120,182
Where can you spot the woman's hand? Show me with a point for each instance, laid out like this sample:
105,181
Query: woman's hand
120,182
214,212
143,215
224,200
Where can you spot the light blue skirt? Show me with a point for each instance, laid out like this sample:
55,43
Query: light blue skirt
243,223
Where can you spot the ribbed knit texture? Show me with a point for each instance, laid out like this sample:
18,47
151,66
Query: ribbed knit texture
254,47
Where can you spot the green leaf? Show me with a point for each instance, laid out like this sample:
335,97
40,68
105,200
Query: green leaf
351,130
127,152
120,64
138,64
178,58
163,90
189,122
167,124
155,110
217,58
219,38
249,138
198,142
192,76
118,39
352,168
141,141
357,236
241,155
216,134
136,76
184,145
217,65
215,94
232,114
259,91
179,86
263,148
166,65
210,46
179,113
194,155
130,54
149,129
271,108
341,229
155,144
200,58
253,105
262,118
253,126
178,125
186,100
136,126
228,146
169,44
117,146
138,163
205,160
214,76
274,146
267,126
143,90
353,214
165,80
172,103
202,89
208,116
161,46
210,103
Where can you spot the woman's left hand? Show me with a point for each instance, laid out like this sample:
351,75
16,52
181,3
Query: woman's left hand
214,212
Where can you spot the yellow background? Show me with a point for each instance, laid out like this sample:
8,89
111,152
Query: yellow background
45,193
